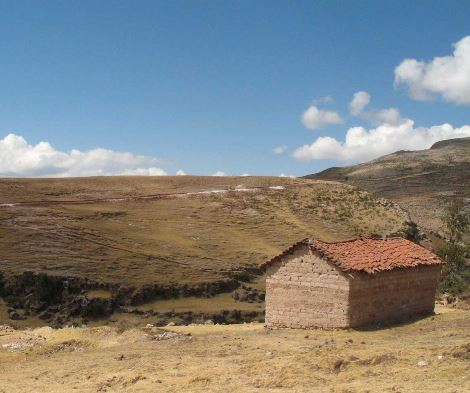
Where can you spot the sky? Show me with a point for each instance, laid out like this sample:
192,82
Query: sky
226,87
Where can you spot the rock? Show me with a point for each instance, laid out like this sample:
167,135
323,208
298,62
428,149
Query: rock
463,352
209,322
6,329
321,344
269,354
171,324
422,363
14,316
381,359
339,364
57,323
440,357
45,315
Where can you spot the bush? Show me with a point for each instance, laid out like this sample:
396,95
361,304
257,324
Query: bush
455,276
49,289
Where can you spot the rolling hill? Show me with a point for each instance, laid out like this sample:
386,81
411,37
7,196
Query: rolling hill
131,241
423,182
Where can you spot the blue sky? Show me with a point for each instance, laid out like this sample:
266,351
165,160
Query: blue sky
208,86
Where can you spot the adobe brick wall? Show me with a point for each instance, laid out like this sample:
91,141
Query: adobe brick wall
303,291
392,296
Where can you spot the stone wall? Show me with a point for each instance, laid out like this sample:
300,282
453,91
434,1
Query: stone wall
392,296
303,290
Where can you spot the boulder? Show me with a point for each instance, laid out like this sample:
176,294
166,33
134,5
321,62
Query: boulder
15,316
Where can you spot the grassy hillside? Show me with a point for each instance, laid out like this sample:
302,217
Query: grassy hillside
423,182
153,237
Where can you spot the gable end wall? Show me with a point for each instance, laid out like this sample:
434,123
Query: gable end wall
302,291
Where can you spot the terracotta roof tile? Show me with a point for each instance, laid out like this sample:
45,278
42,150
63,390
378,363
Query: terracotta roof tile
368,254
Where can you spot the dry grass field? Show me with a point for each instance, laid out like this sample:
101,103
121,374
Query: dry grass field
428,355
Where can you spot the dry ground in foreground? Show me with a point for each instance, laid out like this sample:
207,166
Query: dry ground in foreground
241,358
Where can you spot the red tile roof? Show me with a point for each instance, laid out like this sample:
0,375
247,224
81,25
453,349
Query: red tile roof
369,254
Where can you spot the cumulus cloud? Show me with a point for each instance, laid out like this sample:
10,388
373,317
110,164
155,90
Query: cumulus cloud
315,118
180,172
361,144
219,173
279,149
447,76
19,158
245,174
359,101
357,107
391,133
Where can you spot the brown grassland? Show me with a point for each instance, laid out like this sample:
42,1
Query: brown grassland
137,231
241,358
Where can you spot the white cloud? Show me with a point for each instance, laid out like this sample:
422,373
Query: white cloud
279,149
362,144
315,118
19,158
152,171
284,175
448,76
181,173
360,100
388,116
219,173
245,174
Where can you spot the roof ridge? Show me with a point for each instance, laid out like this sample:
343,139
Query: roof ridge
360,237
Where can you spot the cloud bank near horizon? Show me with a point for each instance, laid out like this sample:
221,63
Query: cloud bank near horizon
18,158
391,133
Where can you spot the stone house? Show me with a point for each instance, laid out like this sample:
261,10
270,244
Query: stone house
350,283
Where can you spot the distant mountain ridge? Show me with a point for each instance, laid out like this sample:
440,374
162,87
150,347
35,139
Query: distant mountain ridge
422,181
